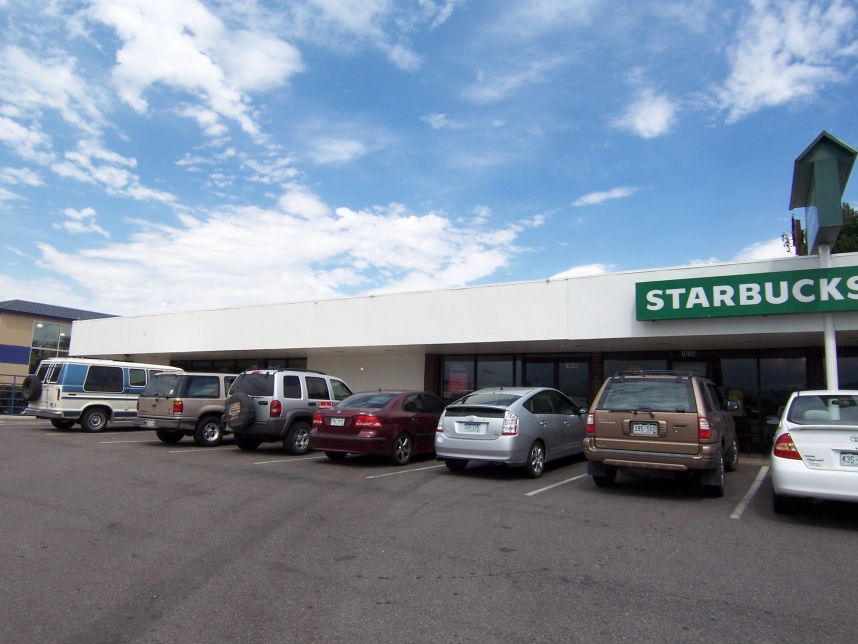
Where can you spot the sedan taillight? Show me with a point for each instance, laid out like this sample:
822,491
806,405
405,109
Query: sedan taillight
785,448
510,424
317,420
367,421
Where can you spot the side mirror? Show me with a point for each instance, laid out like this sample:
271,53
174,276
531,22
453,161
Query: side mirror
772,420
583,411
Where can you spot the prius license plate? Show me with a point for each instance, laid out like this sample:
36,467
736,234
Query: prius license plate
849,459
645,429
471,428
337,421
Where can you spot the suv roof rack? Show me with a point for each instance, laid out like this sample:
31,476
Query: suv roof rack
657,372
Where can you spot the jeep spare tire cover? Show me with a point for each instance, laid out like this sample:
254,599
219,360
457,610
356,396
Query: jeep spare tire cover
31,388
240,411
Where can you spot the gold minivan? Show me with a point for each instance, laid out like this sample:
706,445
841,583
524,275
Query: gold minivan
668,421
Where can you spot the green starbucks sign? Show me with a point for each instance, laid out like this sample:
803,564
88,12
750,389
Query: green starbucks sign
807,291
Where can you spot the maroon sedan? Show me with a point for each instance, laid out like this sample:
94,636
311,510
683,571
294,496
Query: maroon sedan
396,424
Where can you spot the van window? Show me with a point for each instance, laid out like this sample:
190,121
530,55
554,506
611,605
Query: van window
137,377
103,378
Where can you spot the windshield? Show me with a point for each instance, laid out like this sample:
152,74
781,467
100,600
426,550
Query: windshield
162,385
371,400
824,409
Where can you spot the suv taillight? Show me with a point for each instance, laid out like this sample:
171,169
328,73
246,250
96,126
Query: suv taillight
367,421
317,420
591,424
275,408
510,424
704,429
178,406
785,448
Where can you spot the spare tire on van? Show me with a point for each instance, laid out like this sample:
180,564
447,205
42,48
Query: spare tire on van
31,388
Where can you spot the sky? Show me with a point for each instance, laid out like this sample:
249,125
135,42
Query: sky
159,156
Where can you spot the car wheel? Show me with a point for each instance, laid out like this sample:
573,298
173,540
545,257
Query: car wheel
403,445
337,457
297,441
245,443
712,482
208,432
607,479
94,420
731,459
536,460
455,464
168,436
240,411
31,388
62,423
782,504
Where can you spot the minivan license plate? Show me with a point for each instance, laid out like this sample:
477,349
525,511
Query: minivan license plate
645,429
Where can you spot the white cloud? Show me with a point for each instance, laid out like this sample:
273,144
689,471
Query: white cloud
596,198
786,51
497,86
80,221
584,271
769,249
649,116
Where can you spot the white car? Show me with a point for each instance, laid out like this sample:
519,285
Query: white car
815,452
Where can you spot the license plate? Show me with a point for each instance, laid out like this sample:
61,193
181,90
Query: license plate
645,429
471,428
149,422
338,422
849,459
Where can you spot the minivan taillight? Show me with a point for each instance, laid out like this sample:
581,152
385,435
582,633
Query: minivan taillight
510,424
591,424
178,406
704,429
785,448
274,409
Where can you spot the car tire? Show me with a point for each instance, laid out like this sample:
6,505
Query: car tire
456,464
245,443
712,484
607,479
94,420
297,440
62,423
208,432
535,460
240,411
31,388
783,504
731,458
169,436
337,457
403,447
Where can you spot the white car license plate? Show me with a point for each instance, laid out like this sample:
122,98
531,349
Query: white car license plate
645,429
337,422
471,428
849,459
149,422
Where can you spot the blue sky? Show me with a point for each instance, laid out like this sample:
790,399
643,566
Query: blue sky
169,155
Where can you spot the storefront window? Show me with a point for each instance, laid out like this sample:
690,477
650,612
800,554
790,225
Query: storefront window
613,365
495,371
458,377
50,340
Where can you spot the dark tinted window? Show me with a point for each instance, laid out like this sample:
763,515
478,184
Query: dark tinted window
163,385
434,405
340,389
103,378
539,403
561,404
137,377
291,387
656,394
202,387
317,388
498,398
413,403
254,384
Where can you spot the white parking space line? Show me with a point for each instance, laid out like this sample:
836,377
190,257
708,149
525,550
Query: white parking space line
199,450
416,469
116,441
740,508
554,485
287,460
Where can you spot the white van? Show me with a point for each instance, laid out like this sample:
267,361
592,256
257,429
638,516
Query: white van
89,391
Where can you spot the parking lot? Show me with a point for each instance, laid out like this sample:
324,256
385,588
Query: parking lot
116,537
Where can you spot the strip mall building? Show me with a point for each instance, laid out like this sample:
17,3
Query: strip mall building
756,328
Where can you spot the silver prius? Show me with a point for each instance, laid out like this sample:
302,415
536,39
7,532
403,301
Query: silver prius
520,426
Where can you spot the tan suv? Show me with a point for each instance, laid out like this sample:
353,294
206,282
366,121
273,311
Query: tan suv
185,404
661,420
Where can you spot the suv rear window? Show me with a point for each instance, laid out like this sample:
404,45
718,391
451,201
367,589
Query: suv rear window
254,384
654,394
162,385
